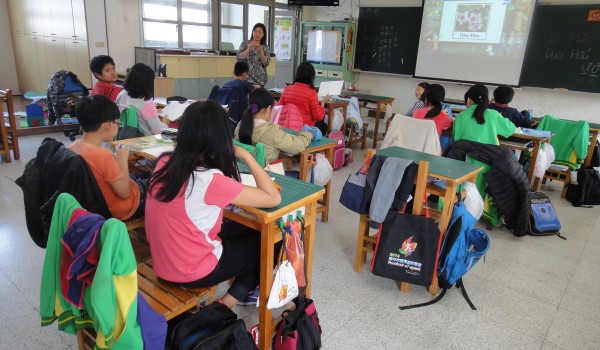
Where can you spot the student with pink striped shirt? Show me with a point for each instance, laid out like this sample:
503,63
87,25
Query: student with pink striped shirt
190,242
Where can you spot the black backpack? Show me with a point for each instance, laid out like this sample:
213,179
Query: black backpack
212,328
64,91
587,190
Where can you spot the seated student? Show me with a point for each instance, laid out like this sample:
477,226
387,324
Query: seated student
255,127
433,97
302,94
503,95
419,90
479,123
189,241
243,88
103,68
138,91
99,119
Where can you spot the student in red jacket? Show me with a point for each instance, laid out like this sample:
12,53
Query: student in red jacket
302,94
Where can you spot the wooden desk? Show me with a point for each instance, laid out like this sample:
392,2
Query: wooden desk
325,145
537,143
381,102
295,194
452,171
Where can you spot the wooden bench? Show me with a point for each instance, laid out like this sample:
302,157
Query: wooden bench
168,299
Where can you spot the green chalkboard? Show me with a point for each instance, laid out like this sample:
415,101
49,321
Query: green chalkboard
387,39
564,48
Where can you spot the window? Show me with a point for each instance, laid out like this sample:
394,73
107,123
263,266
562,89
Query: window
177,23
202,24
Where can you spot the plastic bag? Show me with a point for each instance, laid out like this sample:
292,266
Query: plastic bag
322,170
473,200
544,159
338,120
295,250
285,286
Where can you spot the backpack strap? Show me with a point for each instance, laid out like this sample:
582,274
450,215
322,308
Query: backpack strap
459,284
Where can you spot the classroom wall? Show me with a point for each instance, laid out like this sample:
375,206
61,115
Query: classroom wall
564,104
8,78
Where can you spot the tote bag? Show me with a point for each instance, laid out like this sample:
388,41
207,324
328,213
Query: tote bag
407,248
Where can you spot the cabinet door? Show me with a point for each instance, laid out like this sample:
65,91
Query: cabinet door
190,67
79,23
83,63
225,67
24,47
71,53
43,74
178,88
190,88
16,11
46,10
62,18
56,56
36,17
173,66
208,67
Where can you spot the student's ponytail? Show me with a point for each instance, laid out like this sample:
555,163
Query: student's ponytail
479,95
259,99
246,127
434,95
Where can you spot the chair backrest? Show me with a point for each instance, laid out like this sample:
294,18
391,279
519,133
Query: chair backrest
570,140
258,151
226,46
220,95
415,134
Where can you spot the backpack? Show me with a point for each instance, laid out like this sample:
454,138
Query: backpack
214,327
461,249
289,117
543,220
587,190
338,150
595,160
129,124
64,91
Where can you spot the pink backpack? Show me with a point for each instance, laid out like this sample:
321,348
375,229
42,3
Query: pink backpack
288,116
338,149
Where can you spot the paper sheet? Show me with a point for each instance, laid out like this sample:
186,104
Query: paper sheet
173,110
330,88
157,151
248,180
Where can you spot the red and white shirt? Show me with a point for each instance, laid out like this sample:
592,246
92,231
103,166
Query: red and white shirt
183,233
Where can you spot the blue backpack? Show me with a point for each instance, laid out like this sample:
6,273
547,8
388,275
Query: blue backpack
462,248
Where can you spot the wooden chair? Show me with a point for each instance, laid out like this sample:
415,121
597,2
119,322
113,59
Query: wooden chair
563,176
12,137
358,136
365,243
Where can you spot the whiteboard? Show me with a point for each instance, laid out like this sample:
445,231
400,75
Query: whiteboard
324,46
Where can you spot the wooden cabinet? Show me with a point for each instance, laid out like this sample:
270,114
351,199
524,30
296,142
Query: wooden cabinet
173,66
225,67
48,36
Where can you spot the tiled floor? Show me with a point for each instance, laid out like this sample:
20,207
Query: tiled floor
531,292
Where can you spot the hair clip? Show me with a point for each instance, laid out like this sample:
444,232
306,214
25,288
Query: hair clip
254,108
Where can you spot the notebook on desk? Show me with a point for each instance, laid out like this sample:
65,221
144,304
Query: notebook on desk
330,88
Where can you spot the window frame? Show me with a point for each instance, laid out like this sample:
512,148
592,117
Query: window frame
215,21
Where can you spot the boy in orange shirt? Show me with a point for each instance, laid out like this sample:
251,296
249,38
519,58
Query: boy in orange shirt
99,119
103,68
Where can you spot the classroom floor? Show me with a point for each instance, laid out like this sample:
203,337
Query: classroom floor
531,292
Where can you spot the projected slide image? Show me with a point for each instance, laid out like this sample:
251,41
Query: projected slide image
471,21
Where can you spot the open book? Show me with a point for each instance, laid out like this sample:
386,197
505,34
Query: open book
174,110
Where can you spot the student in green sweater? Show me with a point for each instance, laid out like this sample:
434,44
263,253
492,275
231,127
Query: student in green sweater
256,127
478,123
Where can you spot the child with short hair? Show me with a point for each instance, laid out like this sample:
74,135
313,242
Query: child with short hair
240,71
503,95
256,127
138,91
99,119
103,68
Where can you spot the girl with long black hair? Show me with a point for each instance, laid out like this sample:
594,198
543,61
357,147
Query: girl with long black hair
433,97
188,191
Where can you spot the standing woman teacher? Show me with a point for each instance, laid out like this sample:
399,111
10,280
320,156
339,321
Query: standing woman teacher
256,53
